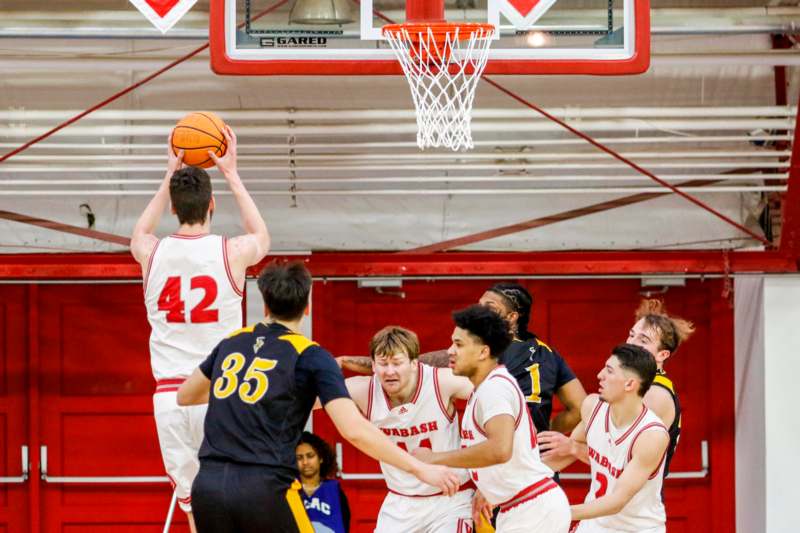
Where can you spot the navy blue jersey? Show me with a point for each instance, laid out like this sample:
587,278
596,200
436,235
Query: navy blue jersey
327,508
540,372
264,382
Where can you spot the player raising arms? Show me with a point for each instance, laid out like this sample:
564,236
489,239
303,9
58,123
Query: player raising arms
498,434
627,444
412,403
261,384
193,284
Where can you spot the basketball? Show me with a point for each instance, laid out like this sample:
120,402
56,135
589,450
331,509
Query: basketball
196,134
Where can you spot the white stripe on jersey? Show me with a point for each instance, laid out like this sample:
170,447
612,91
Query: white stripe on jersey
421,423
610,451
502,482
192,302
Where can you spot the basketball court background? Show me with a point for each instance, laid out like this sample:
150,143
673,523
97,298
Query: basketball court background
333,165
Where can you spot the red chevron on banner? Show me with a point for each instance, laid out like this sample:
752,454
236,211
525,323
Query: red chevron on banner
163,14
523,6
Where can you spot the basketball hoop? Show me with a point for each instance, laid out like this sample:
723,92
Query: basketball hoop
443,63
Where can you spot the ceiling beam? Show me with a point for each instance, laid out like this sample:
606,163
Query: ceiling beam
65,228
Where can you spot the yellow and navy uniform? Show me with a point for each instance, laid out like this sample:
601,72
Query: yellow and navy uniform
662,380
540,372
264,382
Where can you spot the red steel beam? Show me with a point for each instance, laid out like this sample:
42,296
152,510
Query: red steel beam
790,227
65,228
40,267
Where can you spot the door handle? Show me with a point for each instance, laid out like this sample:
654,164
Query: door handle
25,470
93,479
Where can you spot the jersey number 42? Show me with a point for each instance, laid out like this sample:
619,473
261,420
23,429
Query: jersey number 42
170,300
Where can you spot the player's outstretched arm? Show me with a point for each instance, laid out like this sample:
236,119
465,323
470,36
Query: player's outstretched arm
452,386
358,388
250,248
571,395
496,449
439,358
194,390
143,240
648,452
355,363
370,440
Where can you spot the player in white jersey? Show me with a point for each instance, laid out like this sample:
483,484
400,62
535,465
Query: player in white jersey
627,445
412,404
498,437
193,284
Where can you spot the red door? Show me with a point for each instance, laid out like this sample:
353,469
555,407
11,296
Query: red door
583,319
95,411
14,493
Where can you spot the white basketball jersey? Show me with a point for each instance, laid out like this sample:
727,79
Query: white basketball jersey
421,423
610,451
498,394
192,302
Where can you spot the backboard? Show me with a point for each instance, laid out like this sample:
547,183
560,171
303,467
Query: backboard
285,37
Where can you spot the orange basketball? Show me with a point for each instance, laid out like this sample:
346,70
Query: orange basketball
196,134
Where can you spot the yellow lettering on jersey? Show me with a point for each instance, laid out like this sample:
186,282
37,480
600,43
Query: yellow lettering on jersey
299,342
248,329
536,384
225,385
255,382
257,371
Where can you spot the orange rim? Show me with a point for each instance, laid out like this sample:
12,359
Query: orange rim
440,30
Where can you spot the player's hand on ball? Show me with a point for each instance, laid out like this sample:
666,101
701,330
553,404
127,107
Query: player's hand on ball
554,445
174,161
480,507
423,454
439,476
227,163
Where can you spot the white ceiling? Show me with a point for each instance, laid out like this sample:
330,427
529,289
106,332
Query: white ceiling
701,111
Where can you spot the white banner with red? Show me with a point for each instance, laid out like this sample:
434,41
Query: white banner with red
163,14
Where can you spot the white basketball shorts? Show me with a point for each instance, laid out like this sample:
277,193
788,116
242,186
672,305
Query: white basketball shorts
547,513
426,514
180,434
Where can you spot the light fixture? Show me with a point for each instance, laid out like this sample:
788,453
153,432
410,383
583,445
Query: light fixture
320,12
537,39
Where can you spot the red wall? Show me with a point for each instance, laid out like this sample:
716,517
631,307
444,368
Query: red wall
75,376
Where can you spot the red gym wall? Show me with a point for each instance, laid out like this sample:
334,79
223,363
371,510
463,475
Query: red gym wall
76,378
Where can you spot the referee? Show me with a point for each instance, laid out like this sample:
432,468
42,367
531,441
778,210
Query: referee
261,384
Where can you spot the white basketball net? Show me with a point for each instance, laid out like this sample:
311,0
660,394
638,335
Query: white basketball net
442,77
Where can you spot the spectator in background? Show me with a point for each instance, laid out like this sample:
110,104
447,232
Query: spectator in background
322,494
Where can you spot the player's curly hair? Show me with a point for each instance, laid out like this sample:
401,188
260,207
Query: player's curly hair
190,194
328,467
485,324
672,331
517,298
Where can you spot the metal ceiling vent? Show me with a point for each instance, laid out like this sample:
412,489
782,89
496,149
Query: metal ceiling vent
321,12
